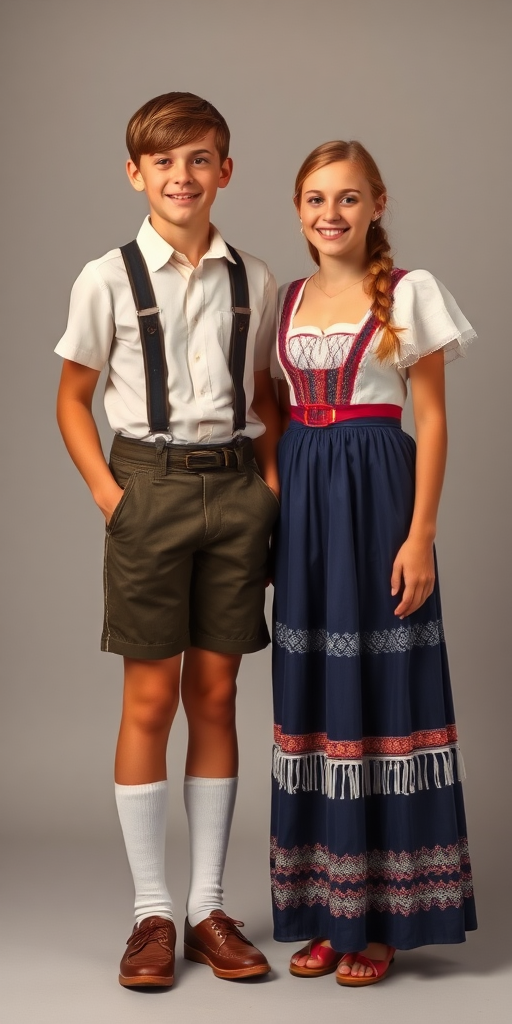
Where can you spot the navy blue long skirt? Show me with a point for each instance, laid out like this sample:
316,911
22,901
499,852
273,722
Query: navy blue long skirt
368,829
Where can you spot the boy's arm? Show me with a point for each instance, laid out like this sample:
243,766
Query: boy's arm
77,426
283,397
265,447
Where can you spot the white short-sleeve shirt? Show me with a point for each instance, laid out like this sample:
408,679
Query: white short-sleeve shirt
196,317
430,320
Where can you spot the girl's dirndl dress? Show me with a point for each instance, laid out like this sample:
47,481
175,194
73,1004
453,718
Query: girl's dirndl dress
368,828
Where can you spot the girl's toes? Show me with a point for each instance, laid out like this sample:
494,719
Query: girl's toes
345,966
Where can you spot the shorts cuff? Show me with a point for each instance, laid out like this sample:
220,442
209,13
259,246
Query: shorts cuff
145,652
226,646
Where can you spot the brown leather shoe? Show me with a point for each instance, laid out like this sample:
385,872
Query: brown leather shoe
217,942
149,958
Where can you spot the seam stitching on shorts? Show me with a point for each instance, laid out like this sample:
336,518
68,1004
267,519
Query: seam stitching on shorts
129,643
105,585
203,478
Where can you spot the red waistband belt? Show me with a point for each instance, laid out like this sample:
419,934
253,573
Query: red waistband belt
320,415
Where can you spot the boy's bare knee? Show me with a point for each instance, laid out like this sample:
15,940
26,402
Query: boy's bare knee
211,701
153,712
151,695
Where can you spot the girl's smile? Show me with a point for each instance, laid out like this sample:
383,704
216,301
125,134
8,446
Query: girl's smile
336,208
332,233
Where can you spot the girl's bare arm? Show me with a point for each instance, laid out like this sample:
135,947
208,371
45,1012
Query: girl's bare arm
413,569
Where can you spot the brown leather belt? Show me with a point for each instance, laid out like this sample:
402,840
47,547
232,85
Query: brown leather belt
185,457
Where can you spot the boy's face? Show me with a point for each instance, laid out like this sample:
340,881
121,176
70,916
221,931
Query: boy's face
181,184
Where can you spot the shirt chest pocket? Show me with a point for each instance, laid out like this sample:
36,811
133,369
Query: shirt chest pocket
224,328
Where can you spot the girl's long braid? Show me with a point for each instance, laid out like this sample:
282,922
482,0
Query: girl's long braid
379,289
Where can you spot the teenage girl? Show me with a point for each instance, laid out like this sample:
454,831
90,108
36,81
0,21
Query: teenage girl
369,848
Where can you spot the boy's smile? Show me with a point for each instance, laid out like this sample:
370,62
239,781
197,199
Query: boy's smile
181,185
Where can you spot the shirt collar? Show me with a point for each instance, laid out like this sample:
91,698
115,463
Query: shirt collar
157,252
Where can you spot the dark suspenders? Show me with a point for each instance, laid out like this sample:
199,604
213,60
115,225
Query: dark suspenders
152,337
239,332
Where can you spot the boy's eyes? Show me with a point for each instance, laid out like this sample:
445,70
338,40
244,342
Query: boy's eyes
166,161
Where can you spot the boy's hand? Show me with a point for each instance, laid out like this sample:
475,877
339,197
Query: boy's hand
74,405
272,482
108,502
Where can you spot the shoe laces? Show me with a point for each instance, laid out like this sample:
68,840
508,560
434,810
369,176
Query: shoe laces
225,926
149,932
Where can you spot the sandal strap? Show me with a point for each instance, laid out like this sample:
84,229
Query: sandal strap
326,954
306,950
348,958
315,951
379,967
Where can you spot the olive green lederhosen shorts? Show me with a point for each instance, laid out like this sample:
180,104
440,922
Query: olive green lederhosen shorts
186,551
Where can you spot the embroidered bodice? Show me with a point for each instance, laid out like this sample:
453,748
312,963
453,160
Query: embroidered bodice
339,366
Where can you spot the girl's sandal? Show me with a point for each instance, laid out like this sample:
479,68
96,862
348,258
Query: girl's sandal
379,967
329,959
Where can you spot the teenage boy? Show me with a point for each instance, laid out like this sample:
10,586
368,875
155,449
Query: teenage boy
186,325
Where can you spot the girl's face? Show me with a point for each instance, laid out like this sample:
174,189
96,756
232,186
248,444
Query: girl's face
336,208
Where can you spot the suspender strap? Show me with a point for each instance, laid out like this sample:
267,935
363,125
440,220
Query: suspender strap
152,338
239,333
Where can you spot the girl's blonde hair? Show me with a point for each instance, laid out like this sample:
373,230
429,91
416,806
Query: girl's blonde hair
377,243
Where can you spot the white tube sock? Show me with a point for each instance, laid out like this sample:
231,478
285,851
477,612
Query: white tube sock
143,813
209,804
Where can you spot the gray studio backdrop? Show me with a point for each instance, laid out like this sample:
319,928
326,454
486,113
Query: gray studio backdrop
424,86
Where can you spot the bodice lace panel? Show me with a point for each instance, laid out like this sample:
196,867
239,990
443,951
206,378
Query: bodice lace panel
339,366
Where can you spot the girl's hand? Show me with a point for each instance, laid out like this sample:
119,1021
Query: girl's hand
414,571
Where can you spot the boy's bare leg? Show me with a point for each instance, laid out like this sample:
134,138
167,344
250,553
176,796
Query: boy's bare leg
208,691
151,694
150,702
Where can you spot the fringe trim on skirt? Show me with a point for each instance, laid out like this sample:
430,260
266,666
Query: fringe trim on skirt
371,775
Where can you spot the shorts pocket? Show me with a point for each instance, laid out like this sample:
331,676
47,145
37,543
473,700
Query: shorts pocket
259,477
121,503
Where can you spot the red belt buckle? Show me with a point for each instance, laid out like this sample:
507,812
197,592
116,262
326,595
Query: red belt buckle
326,415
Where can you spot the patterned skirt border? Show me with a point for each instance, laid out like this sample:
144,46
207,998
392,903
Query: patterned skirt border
338,779
401,883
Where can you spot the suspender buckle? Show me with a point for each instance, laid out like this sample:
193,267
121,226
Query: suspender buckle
242,314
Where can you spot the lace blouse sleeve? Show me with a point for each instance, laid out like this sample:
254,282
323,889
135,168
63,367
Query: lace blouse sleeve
431,320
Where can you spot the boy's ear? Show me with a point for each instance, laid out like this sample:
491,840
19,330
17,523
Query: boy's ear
135,176
226,170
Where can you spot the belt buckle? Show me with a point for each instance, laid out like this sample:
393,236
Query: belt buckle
322,410
202,460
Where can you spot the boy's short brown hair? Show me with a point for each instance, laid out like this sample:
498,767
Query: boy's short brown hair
171,120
